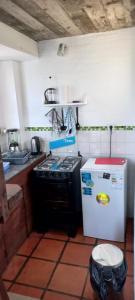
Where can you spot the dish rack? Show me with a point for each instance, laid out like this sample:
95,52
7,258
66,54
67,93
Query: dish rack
16,158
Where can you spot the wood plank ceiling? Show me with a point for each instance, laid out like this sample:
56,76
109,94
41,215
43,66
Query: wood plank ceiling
48,19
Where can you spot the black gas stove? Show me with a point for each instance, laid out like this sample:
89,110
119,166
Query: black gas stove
57,194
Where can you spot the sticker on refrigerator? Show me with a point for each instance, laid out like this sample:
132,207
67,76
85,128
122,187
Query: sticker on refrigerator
117,182
86,178
103,199
87,191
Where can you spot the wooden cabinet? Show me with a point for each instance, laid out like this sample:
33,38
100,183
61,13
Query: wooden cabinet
23,179
16,222
15,229
3,257
3,196
3,216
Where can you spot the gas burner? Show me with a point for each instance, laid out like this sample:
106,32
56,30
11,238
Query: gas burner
52,159
64,167
70,160
49,163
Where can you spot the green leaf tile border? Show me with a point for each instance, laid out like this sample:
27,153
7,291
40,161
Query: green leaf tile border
84,128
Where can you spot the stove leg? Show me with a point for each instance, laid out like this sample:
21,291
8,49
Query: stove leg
72,231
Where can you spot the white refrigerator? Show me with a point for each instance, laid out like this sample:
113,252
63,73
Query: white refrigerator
104,198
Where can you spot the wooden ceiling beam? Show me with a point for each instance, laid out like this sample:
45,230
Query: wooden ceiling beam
95,11
57,13
15,40
117,14
36,12
27,19
48,19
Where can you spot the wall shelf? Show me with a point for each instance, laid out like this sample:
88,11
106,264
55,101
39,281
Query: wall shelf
66,104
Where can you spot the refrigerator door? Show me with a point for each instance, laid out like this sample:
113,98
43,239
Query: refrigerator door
103,204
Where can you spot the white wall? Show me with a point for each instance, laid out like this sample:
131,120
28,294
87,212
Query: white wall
8,106
99,67
10,100
16,43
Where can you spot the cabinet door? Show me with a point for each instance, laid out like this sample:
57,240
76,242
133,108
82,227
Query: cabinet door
3,292
3,259
3,196
15,230
23,179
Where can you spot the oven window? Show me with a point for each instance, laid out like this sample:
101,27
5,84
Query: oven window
55,196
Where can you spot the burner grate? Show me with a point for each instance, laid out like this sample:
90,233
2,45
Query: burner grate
64,166
56,163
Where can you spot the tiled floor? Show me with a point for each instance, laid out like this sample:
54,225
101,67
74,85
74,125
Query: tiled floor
55,267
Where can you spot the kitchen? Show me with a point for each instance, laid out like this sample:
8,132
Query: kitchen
96,69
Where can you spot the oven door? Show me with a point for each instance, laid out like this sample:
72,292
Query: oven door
54,194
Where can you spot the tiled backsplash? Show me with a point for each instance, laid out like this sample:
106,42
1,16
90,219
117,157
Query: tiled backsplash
91,141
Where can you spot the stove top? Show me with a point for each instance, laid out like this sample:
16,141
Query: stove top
56,163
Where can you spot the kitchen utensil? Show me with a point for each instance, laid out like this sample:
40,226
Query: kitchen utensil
50,96
55,120
77,120
63,127
14,147
35,145
13,137
110,146
70,120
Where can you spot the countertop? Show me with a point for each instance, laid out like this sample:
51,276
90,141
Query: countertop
16,169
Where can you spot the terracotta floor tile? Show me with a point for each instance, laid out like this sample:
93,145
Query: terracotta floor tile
39,235
130,262
80,238
49,249
7,284
26,291
77,254
13,267
29,245
118,244
57,296
36,272
128,290
68,279
128,294
88,291
58,235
